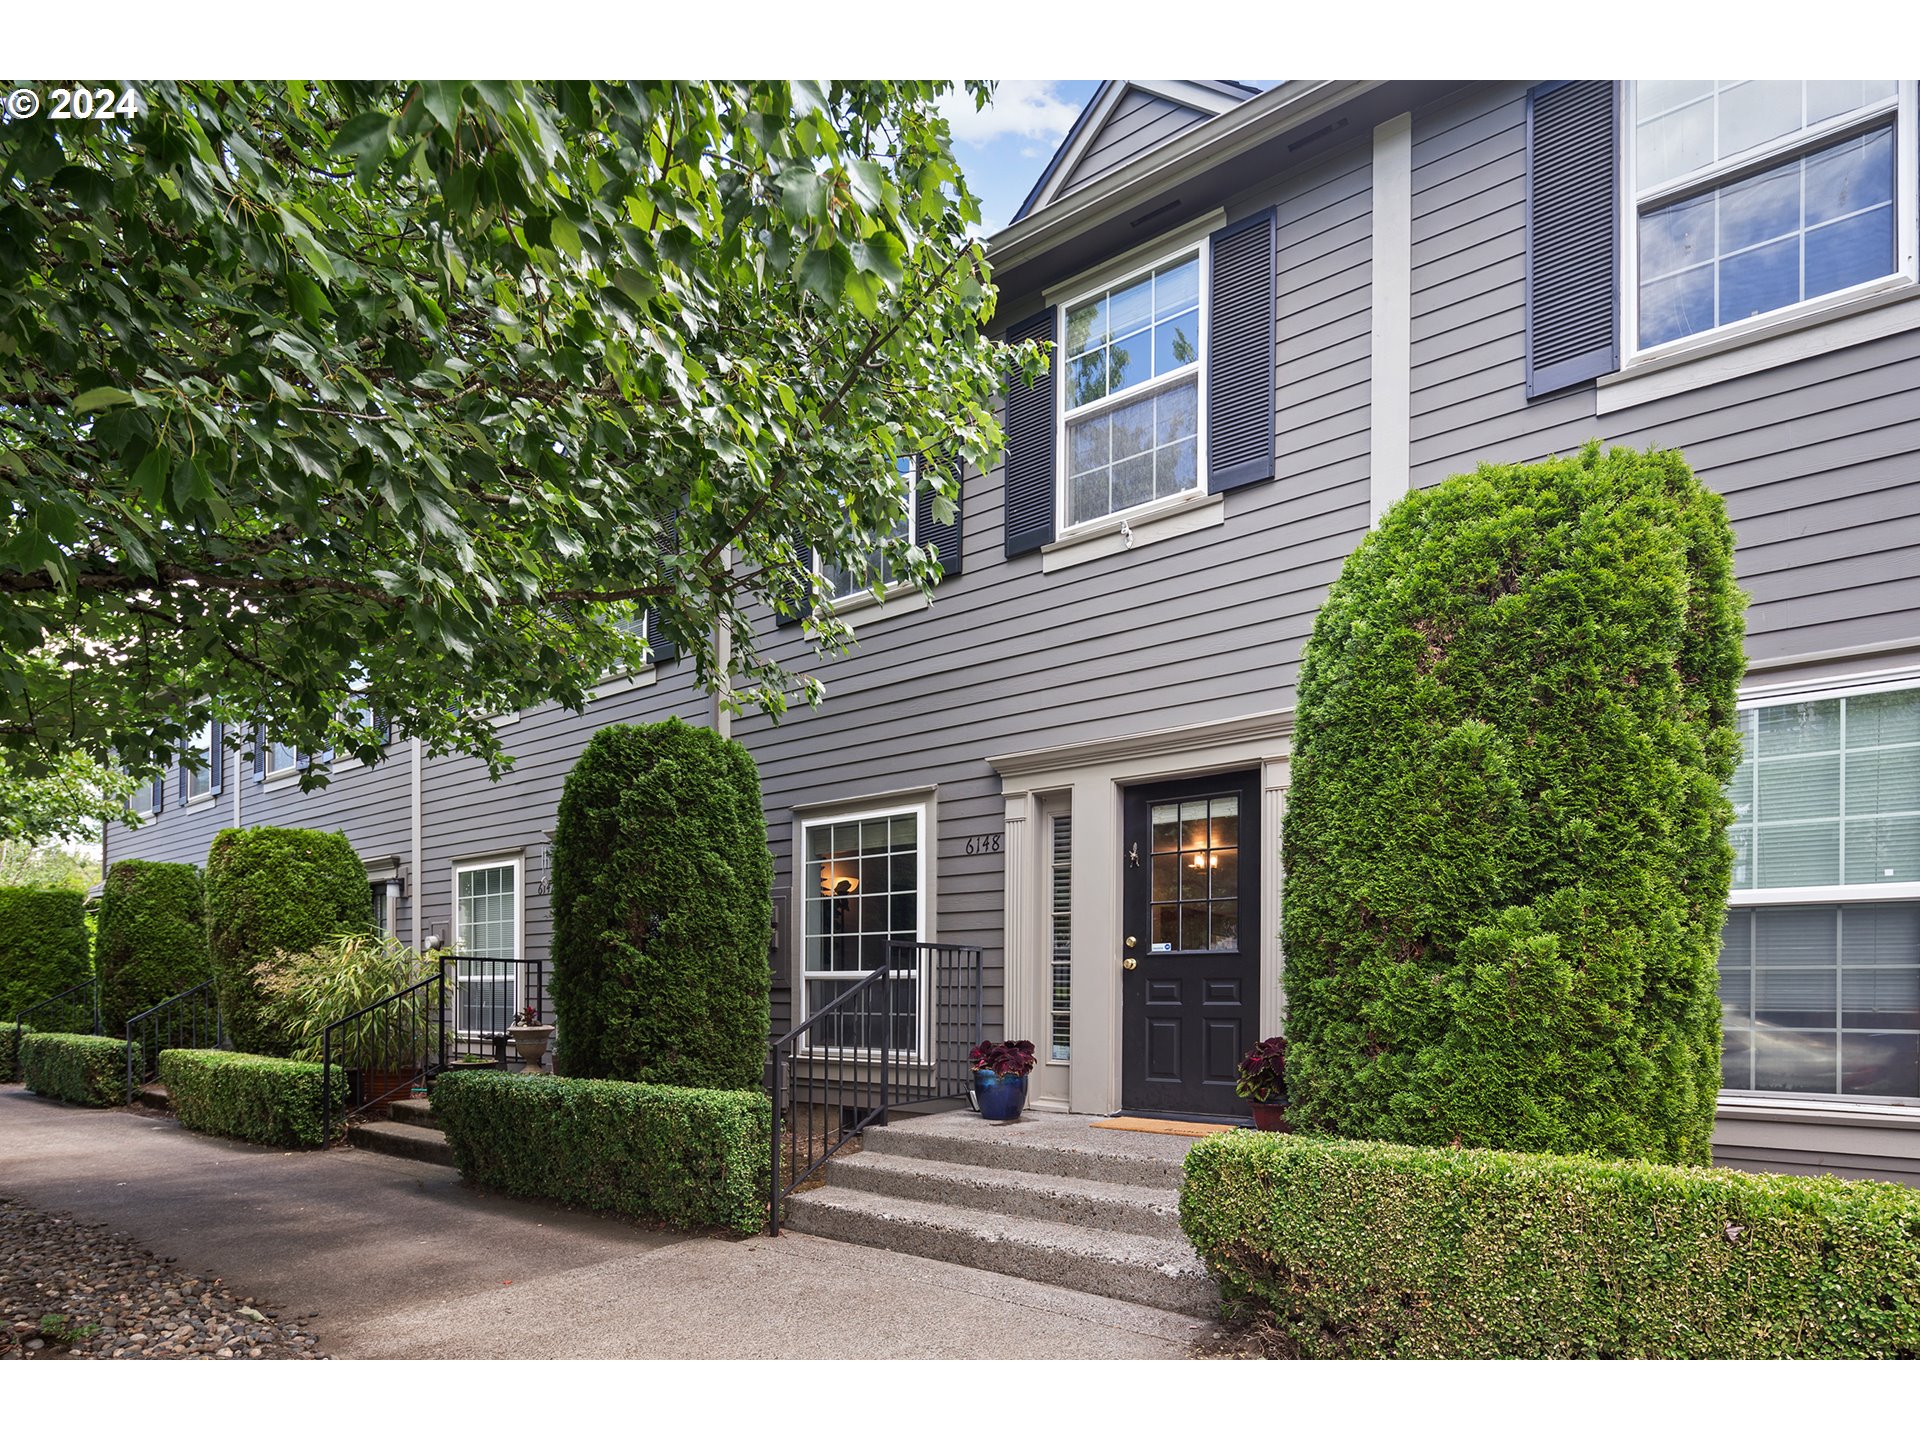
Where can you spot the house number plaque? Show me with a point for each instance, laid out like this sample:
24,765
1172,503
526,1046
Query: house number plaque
983,844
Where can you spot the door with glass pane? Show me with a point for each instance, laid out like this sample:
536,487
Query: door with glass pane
486,924
1190,957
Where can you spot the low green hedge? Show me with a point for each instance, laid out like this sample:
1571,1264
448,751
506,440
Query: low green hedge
10,1035
250,1097
1362,1249
80,1069
688,1157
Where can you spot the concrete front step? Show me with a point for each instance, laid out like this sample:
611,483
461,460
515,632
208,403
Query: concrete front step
408,1140
154,1097
1152,1210
1145,1270
414,1112
1052,1145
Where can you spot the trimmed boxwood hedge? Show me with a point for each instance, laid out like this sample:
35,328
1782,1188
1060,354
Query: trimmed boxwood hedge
271,890
1366,1249
1505,843
9,1050
43,945
662,911
250,1097
688,1157
152,939
80,1069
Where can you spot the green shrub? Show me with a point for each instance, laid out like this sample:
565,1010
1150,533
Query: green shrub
303,994
10,1036
43,946
1364,1249
271,890
688,1157
152,940
250,1097
80,1069
662,911
1505,840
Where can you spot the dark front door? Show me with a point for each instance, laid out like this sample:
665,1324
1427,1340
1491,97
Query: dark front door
1190,915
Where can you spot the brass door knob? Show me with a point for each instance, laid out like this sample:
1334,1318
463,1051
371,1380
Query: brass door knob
1128,963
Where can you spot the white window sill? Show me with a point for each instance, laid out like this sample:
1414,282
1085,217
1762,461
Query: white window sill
627,680
1120,533
864,607
280,780
1832,1109
1886,309
197,801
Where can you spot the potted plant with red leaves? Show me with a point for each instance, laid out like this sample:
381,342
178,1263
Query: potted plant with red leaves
1000,1069
1262,1080
529,1037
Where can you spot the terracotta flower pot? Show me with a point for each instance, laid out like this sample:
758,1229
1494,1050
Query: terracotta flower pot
379,1088
1270,1117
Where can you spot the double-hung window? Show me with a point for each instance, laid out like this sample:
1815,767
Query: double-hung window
863,885
281,759
861,578
1133,373
1820,964
197,779
1748,198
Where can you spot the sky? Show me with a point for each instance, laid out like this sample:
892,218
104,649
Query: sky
1004,148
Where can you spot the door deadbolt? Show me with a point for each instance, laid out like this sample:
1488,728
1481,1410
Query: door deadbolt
1128,963
1129,942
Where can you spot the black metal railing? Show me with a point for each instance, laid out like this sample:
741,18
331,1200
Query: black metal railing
898,1036
385,1048
74,1011
487,994
190,1020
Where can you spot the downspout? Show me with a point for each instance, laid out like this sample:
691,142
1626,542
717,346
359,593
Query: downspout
723,659
419,890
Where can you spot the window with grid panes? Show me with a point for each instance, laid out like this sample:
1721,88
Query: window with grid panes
861,579
1819,974
486,924
1195,900
861,893
1060,931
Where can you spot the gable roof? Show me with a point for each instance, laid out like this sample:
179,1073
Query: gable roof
1179,106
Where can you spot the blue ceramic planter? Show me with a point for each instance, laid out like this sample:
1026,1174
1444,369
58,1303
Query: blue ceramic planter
1000,1097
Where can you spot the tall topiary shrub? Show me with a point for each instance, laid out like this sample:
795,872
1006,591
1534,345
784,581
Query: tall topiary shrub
1505,842
152,938
272,890
662,910
43,947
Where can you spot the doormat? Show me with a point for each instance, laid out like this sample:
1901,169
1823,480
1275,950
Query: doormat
1161,1127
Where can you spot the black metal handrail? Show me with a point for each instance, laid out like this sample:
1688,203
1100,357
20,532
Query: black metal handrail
897,1036
63,998
193,1014
487,994
390,1044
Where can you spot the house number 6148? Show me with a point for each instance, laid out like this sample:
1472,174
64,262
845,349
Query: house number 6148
983,844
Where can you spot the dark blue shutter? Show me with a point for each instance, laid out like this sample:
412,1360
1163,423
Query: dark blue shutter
186,780
216,758
1030,461
663,648
928,532
1573,234
798,587
159,802
1241,383
259,752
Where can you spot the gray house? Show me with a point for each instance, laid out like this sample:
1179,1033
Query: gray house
1275,313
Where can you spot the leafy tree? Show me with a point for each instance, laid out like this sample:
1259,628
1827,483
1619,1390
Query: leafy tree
661,910
61,797
1505,843
344,401
46,867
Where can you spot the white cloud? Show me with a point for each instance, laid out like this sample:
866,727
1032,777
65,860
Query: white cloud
1022,109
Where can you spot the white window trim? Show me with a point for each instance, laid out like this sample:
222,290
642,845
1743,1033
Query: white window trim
1906,229
495,862
896,597
194,796
803,821
1193,241
1765,697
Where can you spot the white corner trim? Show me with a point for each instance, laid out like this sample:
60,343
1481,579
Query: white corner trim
1392,356
1888,310
1120,533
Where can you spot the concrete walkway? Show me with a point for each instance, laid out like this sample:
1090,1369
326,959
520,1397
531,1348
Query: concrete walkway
402,1260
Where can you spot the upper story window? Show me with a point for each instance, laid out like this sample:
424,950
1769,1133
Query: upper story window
842,584
281,759
1133,363
1750,197
197,780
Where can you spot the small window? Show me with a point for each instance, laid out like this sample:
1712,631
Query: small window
862,889
199,775
1133,371
281,759
1750,197
874,570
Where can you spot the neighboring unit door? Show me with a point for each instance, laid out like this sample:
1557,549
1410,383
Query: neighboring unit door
1190,938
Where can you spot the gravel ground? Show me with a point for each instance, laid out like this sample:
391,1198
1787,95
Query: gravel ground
70,1290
